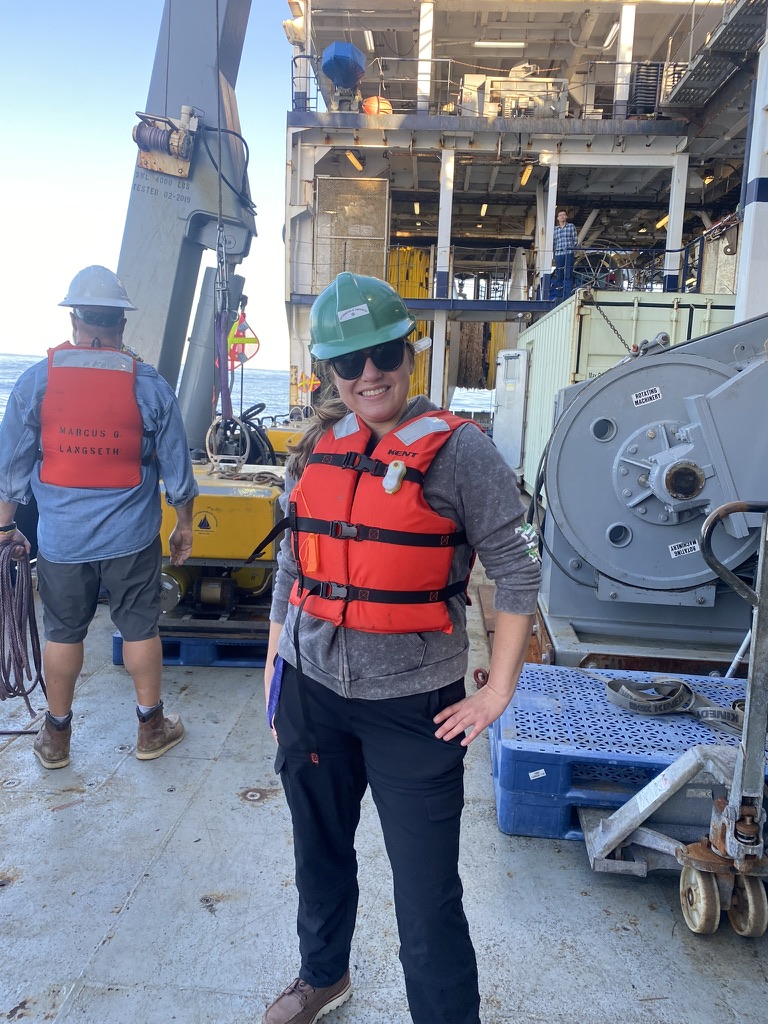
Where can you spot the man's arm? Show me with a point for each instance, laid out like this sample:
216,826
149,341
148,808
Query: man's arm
180,541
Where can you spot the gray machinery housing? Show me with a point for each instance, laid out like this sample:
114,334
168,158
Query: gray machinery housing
638,457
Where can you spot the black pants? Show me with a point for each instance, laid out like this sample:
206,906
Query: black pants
417,784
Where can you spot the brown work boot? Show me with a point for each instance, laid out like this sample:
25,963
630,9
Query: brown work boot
51,744
157,733
302,1004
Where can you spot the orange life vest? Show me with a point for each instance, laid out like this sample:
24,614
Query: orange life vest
370,557
90,424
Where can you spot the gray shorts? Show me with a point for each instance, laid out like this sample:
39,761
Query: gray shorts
70,593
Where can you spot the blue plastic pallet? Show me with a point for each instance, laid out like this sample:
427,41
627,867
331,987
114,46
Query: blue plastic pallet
562,745
207,651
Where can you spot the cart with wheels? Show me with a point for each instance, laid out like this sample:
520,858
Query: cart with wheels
725,869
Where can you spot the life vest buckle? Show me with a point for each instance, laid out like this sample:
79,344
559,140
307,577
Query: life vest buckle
333,591
343,531
362,464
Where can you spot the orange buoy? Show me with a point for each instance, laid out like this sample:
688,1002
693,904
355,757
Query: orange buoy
377,105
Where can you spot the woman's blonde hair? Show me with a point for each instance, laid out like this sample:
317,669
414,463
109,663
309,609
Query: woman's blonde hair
329,410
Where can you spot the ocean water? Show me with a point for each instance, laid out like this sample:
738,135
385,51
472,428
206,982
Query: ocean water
268,386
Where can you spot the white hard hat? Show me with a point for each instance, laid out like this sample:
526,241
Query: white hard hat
97,286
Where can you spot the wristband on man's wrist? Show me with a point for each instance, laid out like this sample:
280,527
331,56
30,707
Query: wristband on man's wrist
10,528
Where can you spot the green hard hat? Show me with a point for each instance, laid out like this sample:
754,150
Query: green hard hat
356,312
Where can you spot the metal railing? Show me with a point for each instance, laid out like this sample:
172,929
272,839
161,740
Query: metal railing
502,273
456,87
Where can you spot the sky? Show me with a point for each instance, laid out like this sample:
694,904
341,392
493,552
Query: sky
73,76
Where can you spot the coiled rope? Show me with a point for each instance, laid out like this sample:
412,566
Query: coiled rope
18,633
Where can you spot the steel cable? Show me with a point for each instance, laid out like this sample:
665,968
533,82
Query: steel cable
18,632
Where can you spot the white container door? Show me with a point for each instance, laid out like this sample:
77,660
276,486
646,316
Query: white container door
509,407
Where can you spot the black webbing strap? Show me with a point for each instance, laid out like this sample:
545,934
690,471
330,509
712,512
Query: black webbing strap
340,530
356,531
363,464
276,530
345,592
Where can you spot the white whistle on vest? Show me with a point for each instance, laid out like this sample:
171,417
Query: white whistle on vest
394,476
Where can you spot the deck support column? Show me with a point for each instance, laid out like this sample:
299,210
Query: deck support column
672,255
751,294
443,284
424,70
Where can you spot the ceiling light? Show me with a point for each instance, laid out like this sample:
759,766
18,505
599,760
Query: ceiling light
498,44
418,223
709,179
526,173
479,225
484,209
354,160
643,230
297,8
416,208
663,222
613,31
369,43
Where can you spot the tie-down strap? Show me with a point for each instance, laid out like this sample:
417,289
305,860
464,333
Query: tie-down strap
666,695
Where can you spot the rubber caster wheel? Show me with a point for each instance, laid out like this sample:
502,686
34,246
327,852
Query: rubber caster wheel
699,900
748,913
481,677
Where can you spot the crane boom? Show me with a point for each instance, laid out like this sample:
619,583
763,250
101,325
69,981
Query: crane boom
178,198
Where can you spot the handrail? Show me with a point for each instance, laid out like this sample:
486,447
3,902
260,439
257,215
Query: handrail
725,574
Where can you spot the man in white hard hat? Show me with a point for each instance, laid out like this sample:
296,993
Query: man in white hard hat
90,431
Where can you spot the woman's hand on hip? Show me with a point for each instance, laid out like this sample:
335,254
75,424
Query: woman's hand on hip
471,715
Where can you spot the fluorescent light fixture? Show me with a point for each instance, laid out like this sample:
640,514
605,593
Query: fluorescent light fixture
526,173
369,43
663,222
297,8
613,31
484,209
416,208
354,159
498,44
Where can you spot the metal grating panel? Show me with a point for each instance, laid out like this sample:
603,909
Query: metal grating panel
741,32
564,711
351,228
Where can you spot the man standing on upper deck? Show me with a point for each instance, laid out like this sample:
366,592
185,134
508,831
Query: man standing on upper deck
565,242
90,431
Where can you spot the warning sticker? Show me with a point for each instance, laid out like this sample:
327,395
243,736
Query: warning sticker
683,547
646,396
540,773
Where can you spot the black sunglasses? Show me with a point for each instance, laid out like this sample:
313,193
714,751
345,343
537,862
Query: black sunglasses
387,356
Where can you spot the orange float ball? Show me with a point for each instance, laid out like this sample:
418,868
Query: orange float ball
377,105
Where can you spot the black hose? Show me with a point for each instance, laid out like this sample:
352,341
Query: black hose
18,631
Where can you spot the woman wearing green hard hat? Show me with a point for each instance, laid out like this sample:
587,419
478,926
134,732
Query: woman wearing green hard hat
387,499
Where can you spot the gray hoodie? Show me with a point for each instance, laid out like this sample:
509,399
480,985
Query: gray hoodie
470,483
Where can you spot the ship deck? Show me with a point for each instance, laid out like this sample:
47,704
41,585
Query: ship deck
159,891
